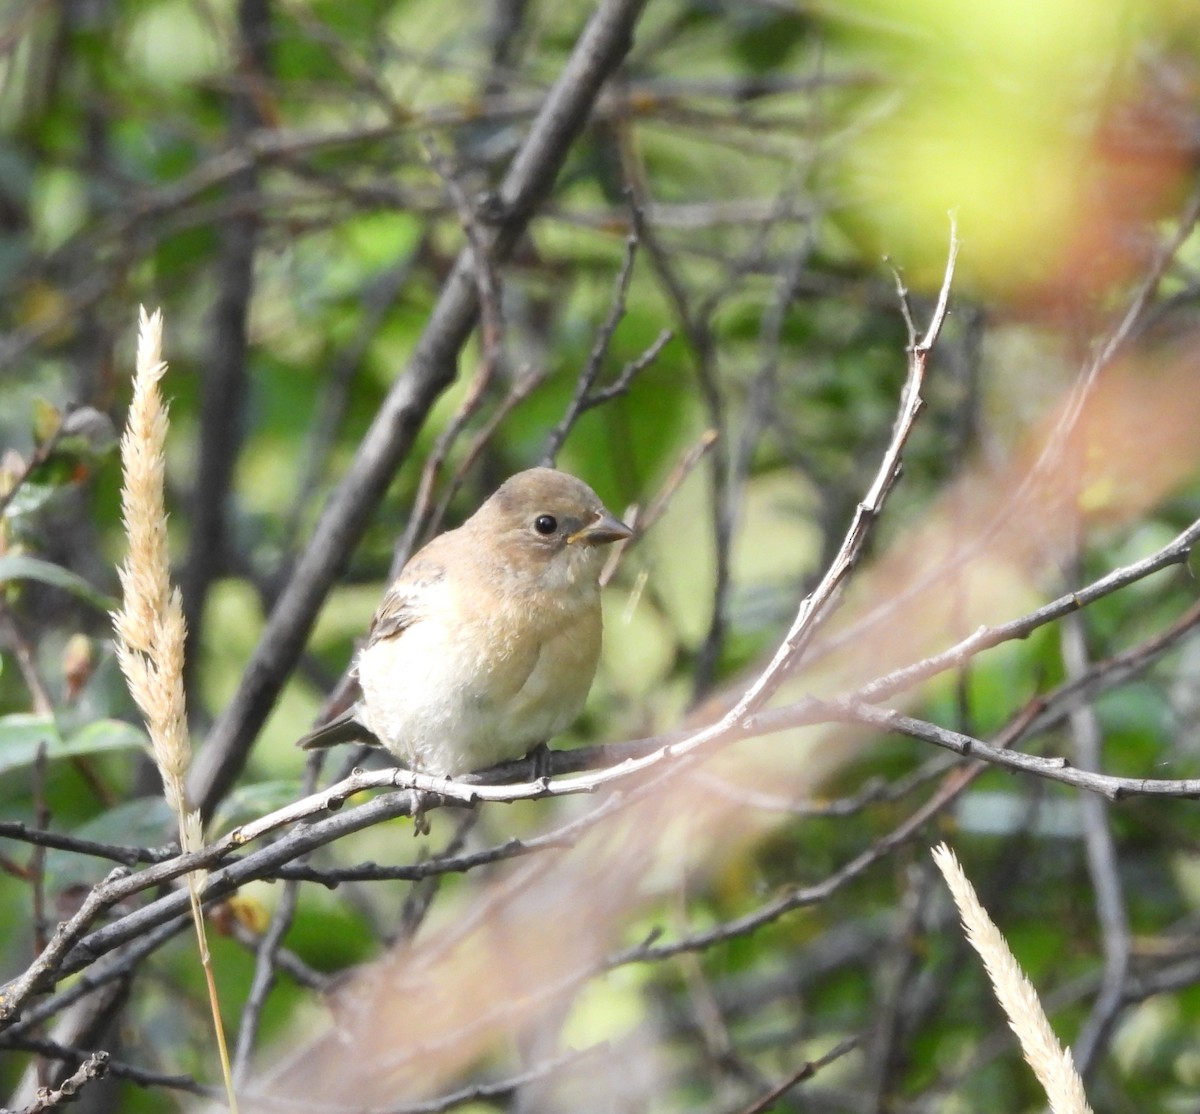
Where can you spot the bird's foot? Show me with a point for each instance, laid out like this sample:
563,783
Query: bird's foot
543,763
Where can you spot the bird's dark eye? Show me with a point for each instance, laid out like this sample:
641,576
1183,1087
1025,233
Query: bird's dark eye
545,524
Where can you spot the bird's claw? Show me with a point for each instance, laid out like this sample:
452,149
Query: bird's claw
420,813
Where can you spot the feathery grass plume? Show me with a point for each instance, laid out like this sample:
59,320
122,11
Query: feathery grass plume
1051,1063
150,627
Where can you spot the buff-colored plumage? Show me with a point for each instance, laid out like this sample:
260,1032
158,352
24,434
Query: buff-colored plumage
487,642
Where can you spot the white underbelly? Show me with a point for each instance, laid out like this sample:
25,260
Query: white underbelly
445,710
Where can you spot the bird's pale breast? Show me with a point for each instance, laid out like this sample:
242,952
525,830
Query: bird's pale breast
477,681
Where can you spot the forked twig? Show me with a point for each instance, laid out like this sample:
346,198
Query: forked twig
587,396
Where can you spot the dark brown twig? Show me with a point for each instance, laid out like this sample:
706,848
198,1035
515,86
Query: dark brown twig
26,655
37,860
526,382
1103,866
34,461
642,520
117,1068
586,395
265,960
487,278
225,383
766,1101
487,283
117,852
94,1067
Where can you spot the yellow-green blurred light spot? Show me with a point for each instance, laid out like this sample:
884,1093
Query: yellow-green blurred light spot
605,1010
987,110
174,44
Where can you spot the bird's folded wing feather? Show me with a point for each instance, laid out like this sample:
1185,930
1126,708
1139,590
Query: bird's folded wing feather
404,602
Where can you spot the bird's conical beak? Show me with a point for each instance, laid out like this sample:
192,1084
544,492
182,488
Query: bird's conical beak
600,531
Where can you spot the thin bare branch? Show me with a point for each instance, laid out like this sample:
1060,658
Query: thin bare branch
766,1101
587,396
94,1067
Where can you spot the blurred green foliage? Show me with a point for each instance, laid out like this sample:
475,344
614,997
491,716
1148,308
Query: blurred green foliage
778,155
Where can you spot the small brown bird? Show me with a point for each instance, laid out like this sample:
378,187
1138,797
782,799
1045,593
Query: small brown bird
487,642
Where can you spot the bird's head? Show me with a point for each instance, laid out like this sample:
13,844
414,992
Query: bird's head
547,528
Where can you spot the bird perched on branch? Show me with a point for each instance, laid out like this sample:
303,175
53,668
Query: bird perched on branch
487,642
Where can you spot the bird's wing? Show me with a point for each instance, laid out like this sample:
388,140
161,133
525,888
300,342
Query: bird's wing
406,600
396,613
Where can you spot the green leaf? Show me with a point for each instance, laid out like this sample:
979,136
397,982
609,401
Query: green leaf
20,567
30,497
104,735
22,735
144,822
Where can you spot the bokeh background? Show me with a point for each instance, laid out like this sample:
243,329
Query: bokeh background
287,181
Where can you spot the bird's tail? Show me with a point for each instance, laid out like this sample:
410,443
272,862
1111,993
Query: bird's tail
346,728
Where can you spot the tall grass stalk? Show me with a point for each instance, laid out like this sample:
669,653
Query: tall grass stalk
1051,1063
150,626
